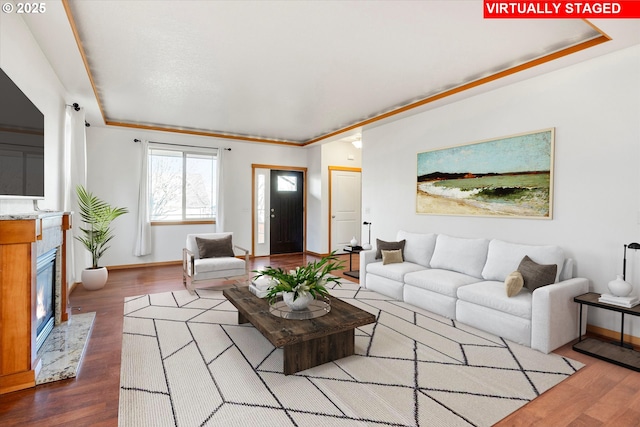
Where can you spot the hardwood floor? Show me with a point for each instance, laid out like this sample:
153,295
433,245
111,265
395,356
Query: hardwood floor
600,394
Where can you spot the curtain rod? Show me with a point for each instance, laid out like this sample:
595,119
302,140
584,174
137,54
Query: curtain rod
183,145
76,107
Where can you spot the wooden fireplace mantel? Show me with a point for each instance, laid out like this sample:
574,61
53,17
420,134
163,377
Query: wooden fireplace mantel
19,237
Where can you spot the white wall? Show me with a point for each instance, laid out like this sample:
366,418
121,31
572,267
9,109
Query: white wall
113,175
23,61
316,240
320,158
595,109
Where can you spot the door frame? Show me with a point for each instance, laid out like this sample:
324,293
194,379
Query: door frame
331,169
255,166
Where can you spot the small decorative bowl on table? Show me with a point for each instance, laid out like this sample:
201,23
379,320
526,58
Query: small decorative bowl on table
315,308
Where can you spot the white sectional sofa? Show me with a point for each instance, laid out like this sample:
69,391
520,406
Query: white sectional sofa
464,279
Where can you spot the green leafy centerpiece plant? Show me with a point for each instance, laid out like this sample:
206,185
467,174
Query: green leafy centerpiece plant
97,216
300,286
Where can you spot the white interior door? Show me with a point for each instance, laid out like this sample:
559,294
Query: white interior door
346,215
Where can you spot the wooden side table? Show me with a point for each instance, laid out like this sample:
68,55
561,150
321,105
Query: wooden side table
616,352
352,250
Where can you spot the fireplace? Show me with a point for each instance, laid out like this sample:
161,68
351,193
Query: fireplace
45,295
33,249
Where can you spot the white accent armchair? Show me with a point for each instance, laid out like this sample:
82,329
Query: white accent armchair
220,263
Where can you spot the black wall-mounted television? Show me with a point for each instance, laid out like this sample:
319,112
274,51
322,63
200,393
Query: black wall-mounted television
21,144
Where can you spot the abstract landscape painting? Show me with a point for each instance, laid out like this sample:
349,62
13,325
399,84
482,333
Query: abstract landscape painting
510,176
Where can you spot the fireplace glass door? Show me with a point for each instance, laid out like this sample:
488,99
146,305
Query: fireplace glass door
45,295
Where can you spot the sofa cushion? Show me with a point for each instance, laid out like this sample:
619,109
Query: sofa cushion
419,247
513,283
465,256
433,302
393,271
444,282
385,286
491,294
391,257
498,323
567,270
536,275
215,248
387,246
504,258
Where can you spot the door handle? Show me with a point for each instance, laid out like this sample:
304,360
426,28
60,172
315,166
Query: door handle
333,216
273,216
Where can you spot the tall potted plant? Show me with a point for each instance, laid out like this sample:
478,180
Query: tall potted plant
97,216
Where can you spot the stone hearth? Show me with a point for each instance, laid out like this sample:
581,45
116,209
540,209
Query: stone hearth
63,349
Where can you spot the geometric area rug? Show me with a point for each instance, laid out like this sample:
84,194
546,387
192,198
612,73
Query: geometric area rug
187,362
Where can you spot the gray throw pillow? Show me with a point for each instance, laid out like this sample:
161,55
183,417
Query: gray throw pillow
215,248
536,275
388,246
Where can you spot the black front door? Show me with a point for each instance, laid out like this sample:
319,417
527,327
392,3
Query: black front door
287,212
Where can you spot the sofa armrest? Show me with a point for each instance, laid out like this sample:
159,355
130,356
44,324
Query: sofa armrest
245,256
555,316
366,257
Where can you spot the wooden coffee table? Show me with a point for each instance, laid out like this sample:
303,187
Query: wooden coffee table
306,343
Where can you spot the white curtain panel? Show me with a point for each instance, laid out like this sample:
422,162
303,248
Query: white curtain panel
75,173
143,229
220,193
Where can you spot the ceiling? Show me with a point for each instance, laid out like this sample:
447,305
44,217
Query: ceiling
294,72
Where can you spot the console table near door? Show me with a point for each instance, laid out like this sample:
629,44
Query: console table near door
616,352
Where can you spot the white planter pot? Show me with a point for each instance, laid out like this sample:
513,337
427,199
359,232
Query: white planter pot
94,278
299,303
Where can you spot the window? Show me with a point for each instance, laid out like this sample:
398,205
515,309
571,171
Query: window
262,192
287,183
182,184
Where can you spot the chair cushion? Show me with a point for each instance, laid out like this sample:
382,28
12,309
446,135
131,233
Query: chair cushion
445,282
221,265
465,256
503,258
491,294
215,248
393,271
192,246
419,247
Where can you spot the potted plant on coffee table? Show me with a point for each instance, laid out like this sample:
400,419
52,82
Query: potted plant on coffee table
301,286
97,216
